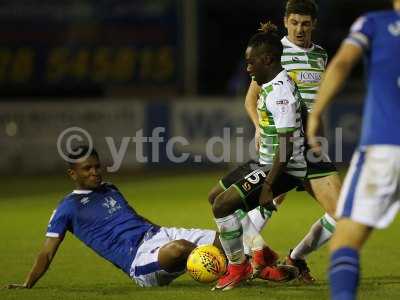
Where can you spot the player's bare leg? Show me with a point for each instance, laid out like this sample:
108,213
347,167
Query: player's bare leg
349,234
326,191
260,216
213,194
217,242
228,217
262,255
250,234
231,237
172,257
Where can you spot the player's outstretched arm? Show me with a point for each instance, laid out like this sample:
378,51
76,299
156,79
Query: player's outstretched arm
250,104
337,72
41,264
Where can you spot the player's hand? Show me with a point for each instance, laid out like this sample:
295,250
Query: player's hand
313,124
266,196
14,286
257,139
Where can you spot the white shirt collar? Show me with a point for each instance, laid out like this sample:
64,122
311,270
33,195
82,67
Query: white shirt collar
81,192
285,41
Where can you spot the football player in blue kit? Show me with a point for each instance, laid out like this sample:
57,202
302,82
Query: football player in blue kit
98,214
370,197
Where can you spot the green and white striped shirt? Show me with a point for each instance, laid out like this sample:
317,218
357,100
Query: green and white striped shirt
279,110
305,67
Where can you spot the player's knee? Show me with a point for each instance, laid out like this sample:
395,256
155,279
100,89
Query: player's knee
331,210
180,249
212,196
222,206
329,202
173,256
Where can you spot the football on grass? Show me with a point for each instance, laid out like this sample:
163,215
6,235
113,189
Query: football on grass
206,263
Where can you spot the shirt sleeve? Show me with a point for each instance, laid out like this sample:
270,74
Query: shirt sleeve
361,32
59,222
282,105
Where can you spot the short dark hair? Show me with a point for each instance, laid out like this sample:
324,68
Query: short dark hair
267,40
302,7
80,151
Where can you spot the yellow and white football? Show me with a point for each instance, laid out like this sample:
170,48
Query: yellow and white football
206,263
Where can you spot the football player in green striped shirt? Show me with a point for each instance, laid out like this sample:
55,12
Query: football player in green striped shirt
305,62
280,168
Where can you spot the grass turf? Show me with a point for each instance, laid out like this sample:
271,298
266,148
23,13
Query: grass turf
181,200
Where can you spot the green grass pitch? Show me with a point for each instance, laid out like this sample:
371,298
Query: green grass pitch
180,200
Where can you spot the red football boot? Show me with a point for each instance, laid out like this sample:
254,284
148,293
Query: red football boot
235,274
304,272
263,258
279,273
270,256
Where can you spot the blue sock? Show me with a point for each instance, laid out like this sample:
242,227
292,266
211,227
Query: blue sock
344,273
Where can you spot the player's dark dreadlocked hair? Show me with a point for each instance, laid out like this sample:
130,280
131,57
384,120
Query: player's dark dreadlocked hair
302,7
267,40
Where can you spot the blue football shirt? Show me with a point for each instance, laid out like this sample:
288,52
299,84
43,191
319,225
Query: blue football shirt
378,33
104,221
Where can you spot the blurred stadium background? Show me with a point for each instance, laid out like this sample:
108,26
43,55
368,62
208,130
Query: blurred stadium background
119,68
115,67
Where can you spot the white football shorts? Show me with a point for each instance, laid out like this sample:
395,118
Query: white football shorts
145,270
371,190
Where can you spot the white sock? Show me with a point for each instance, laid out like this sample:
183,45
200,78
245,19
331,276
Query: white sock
252,240
258,218
320,232
231,237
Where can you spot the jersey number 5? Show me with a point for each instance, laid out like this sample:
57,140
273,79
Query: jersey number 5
254,177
